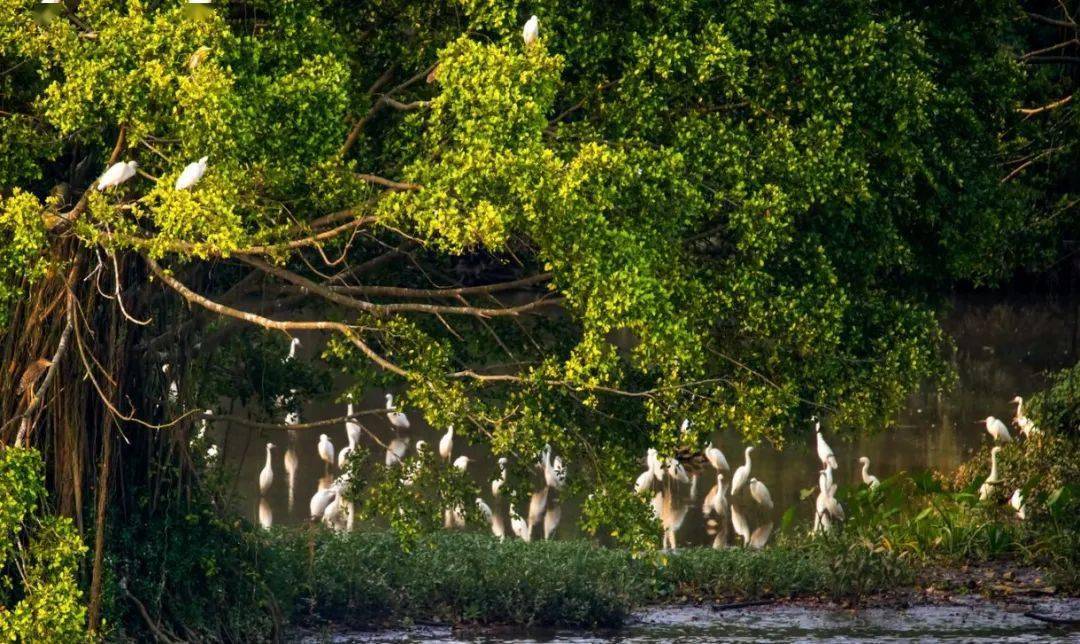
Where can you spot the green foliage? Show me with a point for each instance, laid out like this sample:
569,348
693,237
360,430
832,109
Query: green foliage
40,598
1057,408
23,246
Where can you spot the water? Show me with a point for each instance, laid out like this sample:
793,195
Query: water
1001,349
967,620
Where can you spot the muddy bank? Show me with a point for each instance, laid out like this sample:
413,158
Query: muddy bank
968,618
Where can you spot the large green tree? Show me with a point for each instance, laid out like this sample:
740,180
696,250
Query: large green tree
731,212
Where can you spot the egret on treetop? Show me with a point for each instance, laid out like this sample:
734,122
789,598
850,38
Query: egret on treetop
446,443
531,30
191,174
116,174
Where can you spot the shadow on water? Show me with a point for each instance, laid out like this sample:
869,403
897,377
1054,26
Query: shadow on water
1001,349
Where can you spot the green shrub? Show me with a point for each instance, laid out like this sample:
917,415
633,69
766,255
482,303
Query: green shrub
40,600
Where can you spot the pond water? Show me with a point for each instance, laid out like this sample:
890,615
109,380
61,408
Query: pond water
965,620
1002,349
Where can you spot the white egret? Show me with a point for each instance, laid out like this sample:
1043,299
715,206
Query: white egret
116,174
531,30
352,428
191,174
496,484
997,430
1026,425
1017,503
867,477
446,443
484,508
761,536
824,452
421,447
644,481
554,471
551,520
519,526
397,419
174,389
344,455
293,344
320,500
676,470
266,476
462,462
395,451
987,488
760,493
716,500
266,515
684,427
825,479
652,459
326,450
716,458
742,474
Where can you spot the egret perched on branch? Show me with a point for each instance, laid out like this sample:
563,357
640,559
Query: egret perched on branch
644,481
266,476
867,477
716,458
446,443
760,493
191,174
398,419
531,30
997,430
352,428
395,451
652,459
716,500
496,485
1026,425
293,344
742,474
1017,502
116,174
824,452
462,462
326,450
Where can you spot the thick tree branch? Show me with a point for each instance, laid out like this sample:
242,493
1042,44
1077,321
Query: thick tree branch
389,183
450,292
1032,111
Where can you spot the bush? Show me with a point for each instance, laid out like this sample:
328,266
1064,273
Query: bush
1057,408
40,599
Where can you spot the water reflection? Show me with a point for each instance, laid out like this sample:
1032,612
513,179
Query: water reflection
1001,350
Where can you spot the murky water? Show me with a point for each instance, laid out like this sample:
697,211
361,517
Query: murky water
1002,349
967,620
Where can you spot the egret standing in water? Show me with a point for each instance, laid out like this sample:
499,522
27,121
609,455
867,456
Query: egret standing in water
326,450
716,458
531,31
760,493
191,174
397,419
116,174
742,474
997,430
867,477
266,476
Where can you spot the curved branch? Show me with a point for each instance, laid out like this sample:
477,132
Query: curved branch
267,323
450,292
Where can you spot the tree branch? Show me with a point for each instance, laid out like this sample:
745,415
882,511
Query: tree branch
394,291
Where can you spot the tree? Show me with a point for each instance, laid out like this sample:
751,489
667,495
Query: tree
727,212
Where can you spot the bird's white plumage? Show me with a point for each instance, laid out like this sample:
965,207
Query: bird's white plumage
396,450
462,462
760,493
320,500
652,459
446,443
716,458
742,474
1017,503
397,419
868,478
997,430
760,536
191,174
326,450
266,476
352,428
825,453
116,174
644,481
531,31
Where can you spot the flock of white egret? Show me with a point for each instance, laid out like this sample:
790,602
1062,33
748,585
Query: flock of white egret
999,432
